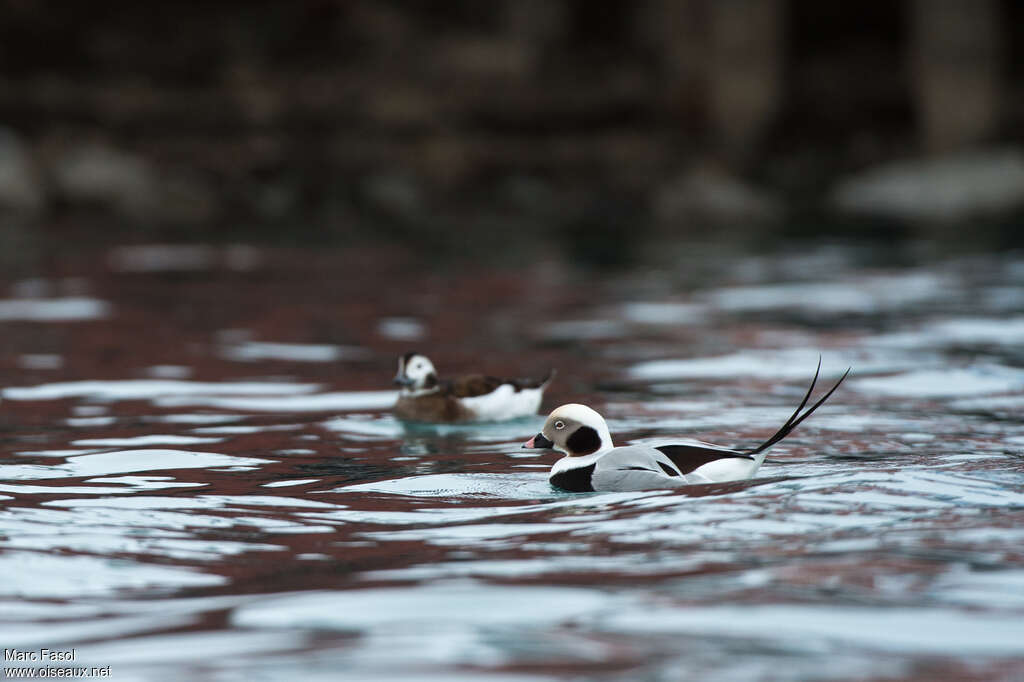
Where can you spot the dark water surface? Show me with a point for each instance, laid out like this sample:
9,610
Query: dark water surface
200,478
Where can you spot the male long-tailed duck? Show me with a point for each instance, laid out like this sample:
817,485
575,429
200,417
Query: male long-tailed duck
470,398
592,463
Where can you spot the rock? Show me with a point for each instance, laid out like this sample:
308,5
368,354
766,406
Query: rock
393,194
943,189
97,174
485,57
186,198
20,189
715,196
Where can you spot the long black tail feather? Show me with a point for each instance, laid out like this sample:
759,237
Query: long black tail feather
795,419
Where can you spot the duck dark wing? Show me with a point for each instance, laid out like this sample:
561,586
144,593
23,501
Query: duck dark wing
472,385
689,457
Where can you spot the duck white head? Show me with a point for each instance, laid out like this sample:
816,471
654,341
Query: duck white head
416,374
575,430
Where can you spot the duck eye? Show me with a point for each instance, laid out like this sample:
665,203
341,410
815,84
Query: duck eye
559,425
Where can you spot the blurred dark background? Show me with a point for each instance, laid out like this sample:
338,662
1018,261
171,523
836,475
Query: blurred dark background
476,127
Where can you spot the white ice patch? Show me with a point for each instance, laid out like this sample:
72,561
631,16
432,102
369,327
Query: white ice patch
69,309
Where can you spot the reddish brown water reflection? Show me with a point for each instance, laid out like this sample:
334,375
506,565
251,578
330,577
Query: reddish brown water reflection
319,537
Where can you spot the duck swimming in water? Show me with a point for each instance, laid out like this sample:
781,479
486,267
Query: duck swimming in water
471,398
592,463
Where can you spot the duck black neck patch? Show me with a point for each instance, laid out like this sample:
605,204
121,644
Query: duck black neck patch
584,441
574,480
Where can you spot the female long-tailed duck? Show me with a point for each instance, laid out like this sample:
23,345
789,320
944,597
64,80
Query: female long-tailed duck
470,398
592,463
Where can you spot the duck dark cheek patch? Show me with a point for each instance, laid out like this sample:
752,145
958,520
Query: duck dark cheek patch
430,381
584,441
